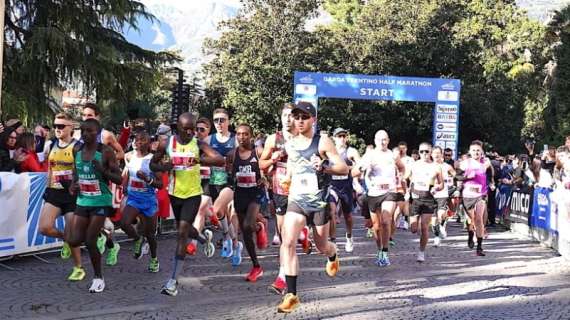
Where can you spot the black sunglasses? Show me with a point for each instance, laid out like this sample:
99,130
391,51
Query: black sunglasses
301,116
59,126
424,151
220,120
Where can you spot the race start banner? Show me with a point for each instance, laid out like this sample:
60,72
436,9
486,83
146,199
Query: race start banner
445,93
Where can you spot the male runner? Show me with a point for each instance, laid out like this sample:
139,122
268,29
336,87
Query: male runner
57,198
474,191
141,185
223,141
95,166
426,179
402,206
442,197
380,165
185,154
307,175
342,186
249,189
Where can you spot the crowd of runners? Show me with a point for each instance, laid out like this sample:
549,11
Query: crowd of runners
214,179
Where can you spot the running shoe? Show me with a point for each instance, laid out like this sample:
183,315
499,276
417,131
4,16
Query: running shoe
97,286
209,248
113,254
470,243
480,253
421,256
443,230
254,274
77,274
289,303
276,241
349,246
332,267
261,239
436,241
305,242
279,286
65,251
170,288
392,242
137,248
382,259
145,248
227,248
406,225
369,233
191,248
101,240
153,265
236,257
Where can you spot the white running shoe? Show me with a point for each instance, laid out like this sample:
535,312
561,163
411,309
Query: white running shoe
349,246
145,248
97,286
421,256
443,230
276,241
436,241
405,225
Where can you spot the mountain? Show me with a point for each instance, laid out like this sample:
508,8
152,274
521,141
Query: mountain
184,24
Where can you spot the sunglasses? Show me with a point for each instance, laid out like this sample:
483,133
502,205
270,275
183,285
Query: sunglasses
60,126
341,136
447,155
201,129
220,120
301,116
424,151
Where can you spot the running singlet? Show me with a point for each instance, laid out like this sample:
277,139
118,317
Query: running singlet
343,182
423,179
477,186
280,170
306,190
61,162
219,176
380,178
447,182
138,187
185,174
93,188
246,172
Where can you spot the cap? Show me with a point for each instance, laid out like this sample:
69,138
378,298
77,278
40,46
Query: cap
305,107
338,131
163,130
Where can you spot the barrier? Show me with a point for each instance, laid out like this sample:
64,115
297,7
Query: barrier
21,202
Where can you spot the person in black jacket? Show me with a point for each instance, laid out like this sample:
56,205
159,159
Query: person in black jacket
7,143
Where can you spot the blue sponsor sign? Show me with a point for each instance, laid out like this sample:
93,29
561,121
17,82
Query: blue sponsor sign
540,217
445,93
503,200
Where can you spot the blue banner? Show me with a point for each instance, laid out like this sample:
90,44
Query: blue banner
540,217
503,200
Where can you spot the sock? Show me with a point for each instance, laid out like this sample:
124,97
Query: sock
178,266
470,237
442,222
281,272
436,230
110,244
332,258
385,250
291,284
201,238
391,239
224,224
479,243
349,235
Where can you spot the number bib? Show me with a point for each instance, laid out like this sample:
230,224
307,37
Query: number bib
278,176
205,173
89,188
306,183
246,180
381,185
340,177
61,176
183,161
137,185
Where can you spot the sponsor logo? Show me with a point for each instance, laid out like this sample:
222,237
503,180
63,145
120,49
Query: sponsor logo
448,95
446,126
446,108
445,136
306,89
521,203
306,79
440,144
448,86
446,117
451,145
542,200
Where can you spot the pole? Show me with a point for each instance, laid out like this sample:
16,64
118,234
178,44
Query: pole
2,10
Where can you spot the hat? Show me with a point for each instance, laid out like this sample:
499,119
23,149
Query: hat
305,107
163,130
339,131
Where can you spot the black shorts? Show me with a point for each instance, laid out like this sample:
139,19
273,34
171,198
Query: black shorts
205,183
423,206
214,191
442,203
94,211
363,202
470,203
61,199
314,218
400,197
185,209
342,197
280,203
375,203
243,198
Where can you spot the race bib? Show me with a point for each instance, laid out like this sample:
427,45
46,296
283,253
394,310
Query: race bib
137,185
62,176
380,185
89,188
183,161
205,173
474,189
421,186
246,180
306,183
345,177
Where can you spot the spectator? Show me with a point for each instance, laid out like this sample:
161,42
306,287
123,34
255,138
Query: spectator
415,155
7,145
448,157
547,164
26,145
567,142
17,125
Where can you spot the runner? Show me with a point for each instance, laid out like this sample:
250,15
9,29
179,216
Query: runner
95,167
442,197
402,206
426,179
342,187
380,165
249,185
185,153
307,174
223,141
141,185
57,198
474,192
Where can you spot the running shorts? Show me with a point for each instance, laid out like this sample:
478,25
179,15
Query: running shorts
185,209
375,203
61,199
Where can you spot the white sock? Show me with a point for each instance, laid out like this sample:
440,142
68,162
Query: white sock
281,273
